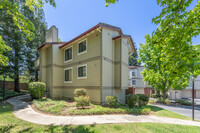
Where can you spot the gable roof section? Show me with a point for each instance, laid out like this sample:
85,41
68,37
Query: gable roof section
126,36
49,43
91,29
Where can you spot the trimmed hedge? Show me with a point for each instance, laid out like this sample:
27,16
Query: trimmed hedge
131,100
80,92
37,90
81,98
143,99
112,101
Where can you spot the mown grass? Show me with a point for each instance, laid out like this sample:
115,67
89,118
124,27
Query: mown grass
165,113
9,123
60,107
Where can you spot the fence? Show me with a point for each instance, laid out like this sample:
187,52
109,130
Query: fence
10,85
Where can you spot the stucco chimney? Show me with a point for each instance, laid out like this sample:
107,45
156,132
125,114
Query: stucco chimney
52,34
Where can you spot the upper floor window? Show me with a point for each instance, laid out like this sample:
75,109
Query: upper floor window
68,54
134,82
68,75
134,73
82,47
82,71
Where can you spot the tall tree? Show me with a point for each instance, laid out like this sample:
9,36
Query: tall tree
133,59
23,50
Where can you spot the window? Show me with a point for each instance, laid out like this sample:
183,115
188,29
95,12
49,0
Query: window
68,75
82,71
68,54
134,82
134,73
82,47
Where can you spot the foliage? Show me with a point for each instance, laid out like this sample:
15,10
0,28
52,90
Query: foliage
112,101
109,2
37,90
51,106
152,101
167,101
82,101
143,99
80,92
169,56
184,102
8,93
156,96
132,100
81,98
10,123
133,59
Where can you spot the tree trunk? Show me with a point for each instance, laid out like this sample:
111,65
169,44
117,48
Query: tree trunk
16,77
164,94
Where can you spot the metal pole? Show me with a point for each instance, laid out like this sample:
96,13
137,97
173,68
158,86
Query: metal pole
193,99
4,87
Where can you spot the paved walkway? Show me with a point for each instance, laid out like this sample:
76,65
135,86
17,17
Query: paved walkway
183,110
24,111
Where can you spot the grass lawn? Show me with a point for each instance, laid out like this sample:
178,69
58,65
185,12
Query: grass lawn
9,123
165,113
61,107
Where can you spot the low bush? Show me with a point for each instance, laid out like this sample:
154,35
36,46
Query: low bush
184,102
156,96
152,101
131,100
112,101
82,101
80,92
37,90
167,101
160,100
143,99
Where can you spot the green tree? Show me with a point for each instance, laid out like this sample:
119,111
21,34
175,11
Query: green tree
133,59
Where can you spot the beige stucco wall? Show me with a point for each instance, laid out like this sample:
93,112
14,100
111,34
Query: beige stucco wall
139,91
93,61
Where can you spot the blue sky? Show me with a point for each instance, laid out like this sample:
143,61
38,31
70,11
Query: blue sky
134,17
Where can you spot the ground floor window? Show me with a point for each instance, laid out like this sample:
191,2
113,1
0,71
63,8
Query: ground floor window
134,82
82,71
68,75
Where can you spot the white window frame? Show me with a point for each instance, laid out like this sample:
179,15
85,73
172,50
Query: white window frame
135,82
135,70
78,47
72,54
86,71
70,68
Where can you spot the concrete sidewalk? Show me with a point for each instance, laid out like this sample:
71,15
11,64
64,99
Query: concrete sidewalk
24,111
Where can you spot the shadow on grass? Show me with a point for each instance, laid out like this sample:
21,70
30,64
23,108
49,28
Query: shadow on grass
7,128
67,129
154,108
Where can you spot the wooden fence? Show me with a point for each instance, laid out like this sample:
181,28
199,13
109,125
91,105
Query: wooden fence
10,85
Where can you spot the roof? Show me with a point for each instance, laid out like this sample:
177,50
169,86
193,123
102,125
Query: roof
133,67
97,26
125,36
49,43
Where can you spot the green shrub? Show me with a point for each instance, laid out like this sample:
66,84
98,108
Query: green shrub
80,92
167,101
156,96
82,101
37,90
160,100
184,102
145,111
143,99
131,100
112,101
152,101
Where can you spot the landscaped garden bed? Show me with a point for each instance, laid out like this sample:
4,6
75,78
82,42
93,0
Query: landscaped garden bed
62,107
9,94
